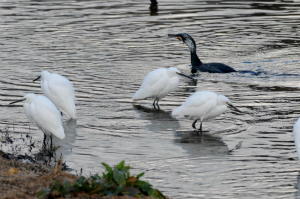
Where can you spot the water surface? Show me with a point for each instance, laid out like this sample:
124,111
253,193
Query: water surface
106,49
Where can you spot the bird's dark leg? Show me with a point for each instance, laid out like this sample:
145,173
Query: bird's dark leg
200,129
45,139
154,103
157,103
51,142
61,113
193,125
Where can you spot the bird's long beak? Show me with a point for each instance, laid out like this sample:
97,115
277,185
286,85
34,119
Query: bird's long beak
17,101
181,74
233,107
174,35
37,78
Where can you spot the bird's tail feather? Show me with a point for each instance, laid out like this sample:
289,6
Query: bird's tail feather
139,95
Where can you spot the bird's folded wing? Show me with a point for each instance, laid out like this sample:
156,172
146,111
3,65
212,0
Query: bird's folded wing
46,116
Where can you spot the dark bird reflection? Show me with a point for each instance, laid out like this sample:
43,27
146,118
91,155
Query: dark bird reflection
200,145
153,8
160,119
192,84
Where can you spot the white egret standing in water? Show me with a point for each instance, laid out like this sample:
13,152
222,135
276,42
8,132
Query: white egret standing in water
43,113
296,131
159,83
60,91
202,106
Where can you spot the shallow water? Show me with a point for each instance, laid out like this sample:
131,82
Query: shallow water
106,49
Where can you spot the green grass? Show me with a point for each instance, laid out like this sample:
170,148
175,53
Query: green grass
116,181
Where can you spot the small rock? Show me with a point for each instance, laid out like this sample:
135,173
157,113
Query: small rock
13,171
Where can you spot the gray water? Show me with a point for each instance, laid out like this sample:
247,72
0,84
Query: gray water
106,49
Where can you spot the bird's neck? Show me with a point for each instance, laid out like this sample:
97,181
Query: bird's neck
195,61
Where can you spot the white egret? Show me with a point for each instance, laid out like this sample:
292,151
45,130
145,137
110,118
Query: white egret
43,113
202,106
296,131
60,91
159,83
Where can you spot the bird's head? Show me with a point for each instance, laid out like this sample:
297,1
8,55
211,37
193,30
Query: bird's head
43,75
223,100
29,97
173,71
185,38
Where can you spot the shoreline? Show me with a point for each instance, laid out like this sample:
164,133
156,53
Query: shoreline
25,180
21,178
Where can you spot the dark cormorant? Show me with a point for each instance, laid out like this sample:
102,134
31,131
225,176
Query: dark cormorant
197,65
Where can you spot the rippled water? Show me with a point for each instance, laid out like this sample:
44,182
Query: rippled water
106,49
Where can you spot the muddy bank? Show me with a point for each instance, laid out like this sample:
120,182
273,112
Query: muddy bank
26,168
25,180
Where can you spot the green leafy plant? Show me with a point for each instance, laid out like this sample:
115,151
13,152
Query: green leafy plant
115,181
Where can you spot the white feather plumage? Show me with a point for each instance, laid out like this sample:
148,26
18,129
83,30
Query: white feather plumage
202,106
43,113
158,83
60,91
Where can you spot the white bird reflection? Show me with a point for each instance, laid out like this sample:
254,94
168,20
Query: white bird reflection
66,145
297,186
